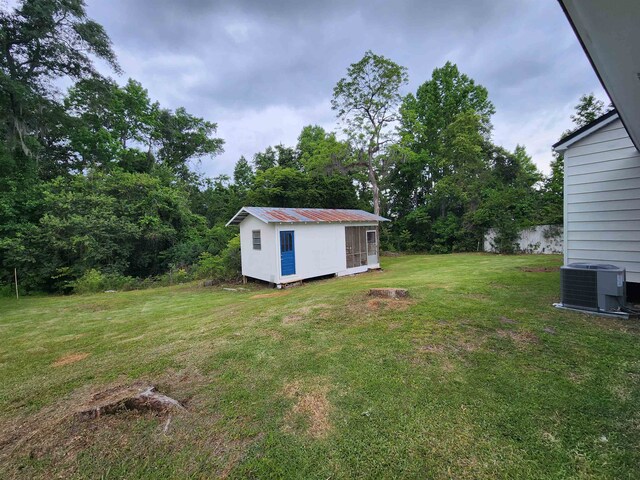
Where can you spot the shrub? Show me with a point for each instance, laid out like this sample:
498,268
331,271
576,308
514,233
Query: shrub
93,281
174,276
231,259
225,266
507,237
7,290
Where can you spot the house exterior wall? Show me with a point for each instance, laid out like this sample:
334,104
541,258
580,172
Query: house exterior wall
602,200
260,264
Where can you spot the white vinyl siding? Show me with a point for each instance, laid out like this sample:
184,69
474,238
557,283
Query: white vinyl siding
602,200
260,264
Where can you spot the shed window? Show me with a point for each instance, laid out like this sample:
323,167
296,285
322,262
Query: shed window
257,244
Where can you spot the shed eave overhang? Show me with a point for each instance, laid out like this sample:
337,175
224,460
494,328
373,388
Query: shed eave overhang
240,216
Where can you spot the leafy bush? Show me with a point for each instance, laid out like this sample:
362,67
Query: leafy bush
172,277
95,281
231,259
507,237
7,290
209,266
225,266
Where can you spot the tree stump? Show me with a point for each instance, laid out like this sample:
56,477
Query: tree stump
389,292
149,399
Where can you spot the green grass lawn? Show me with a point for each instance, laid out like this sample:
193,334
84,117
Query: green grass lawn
477,376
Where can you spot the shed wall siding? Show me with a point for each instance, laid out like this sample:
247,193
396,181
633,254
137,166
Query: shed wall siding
602,200
260,264
320,249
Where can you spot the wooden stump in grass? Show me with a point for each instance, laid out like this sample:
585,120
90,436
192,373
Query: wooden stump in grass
389,292
147,399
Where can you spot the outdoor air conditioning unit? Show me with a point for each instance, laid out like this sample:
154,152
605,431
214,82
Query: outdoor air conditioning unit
595,287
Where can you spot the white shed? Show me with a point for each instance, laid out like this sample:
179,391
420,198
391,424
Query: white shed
602,196
285,245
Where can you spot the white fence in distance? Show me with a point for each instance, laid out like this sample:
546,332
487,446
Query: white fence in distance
538,239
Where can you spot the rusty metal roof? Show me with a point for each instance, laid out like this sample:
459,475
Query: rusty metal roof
305,215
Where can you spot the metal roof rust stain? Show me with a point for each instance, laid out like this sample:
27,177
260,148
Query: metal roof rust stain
329,215
280,215
302,215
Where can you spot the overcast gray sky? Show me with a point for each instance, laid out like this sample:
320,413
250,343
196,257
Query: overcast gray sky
264,69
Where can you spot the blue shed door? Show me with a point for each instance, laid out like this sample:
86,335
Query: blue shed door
287,253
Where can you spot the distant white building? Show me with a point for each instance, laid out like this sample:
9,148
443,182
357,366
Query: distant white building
286,245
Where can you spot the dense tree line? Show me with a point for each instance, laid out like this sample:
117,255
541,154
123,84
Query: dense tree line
97,189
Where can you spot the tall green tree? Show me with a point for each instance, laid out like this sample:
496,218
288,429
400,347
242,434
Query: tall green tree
42,41
243,175
425,118
458,193
181,138
366,102
263,161
321,153
510,199
278,156
111,125
589,108
444,161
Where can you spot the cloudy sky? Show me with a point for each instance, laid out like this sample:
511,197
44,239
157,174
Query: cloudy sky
264,69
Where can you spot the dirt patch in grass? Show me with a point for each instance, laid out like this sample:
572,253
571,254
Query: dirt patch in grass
477,296
470,345
279,293
69,358
312,405
448,366
540,269
430,348
623,392
519,337
361,306
455,345
272,334
313,312
508,321
426,352
399,304
577,378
